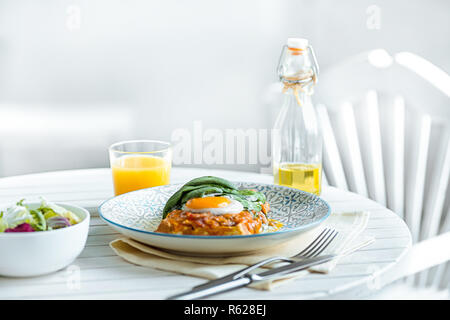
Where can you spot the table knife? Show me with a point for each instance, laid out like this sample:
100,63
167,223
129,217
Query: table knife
227,284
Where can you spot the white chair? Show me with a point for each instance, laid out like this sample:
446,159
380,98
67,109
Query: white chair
386,126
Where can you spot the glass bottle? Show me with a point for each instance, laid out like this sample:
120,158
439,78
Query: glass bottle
296,140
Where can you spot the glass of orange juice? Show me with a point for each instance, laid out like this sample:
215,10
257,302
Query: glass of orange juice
139,164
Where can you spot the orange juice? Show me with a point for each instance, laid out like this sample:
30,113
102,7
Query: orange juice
138,172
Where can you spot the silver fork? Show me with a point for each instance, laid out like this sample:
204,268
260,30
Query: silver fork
316,247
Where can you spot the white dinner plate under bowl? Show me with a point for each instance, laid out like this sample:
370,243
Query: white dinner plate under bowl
137,215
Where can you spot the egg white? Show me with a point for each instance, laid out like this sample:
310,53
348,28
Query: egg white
233,207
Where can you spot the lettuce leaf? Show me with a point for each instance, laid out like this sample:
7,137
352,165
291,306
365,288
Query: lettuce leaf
3,224
39,223
50,209
16,215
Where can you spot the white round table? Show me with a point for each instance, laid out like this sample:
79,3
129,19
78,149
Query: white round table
99,274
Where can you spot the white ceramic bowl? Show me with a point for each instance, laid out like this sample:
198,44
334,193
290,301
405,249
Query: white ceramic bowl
25,254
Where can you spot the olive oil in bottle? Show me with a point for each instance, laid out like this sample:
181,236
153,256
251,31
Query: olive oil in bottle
306,177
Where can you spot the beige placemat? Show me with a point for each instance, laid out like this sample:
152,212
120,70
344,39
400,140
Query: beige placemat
350,226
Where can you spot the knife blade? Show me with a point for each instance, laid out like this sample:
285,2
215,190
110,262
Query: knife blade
237,274
228,284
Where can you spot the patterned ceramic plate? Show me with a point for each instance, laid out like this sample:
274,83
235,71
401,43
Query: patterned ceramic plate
137,214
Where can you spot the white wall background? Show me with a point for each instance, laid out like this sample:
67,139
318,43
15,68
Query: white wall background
69,87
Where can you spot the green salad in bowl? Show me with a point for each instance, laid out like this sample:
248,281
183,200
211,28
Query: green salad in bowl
28,226
48,216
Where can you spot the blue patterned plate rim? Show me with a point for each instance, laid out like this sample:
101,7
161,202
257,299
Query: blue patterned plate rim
184,236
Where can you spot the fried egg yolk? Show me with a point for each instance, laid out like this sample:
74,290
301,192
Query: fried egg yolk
208,202
215,205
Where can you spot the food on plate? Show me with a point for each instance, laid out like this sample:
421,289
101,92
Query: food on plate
215,206
49,216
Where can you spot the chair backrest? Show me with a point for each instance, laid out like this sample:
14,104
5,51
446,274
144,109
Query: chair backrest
386,126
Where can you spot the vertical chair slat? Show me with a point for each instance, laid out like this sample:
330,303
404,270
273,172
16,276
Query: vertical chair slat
331,158
446,277
436,193
415,174
368,123
437,188
439,278
431,204
324,178
394,153
439,281
348,144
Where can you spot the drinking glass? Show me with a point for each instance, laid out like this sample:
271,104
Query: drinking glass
140,164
